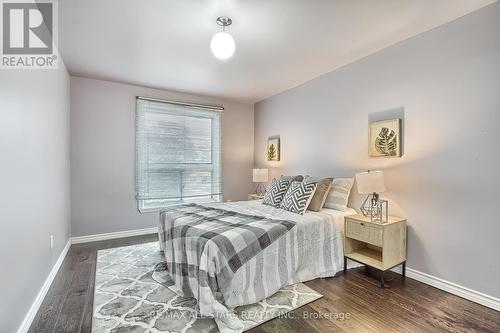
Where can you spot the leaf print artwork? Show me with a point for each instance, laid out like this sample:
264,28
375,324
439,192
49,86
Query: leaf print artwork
385,138
271,153
386,142
273,148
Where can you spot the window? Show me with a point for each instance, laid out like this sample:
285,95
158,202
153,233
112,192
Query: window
177,152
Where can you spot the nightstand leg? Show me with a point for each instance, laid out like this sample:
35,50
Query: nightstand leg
345,264
404,269
382,279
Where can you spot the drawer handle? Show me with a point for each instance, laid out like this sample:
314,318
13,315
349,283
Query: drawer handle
362,223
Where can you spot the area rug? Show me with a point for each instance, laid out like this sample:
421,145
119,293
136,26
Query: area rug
131,295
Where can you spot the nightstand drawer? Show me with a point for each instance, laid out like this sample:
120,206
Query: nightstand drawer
365,232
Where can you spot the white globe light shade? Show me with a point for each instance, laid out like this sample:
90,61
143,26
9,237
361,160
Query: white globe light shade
222,45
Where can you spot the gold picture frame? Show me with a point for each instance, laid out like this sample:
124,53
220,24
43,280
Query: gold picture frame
273,149
384,138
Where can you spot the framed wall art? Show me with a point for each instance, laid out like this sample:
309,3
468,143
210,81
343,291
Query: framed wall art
273,148
384,138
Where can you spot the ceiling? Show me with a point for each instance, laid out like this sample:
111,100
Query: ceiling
279,43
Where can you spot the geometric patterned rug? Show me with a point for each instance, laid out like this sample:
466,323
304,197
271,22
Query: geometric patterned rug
131,296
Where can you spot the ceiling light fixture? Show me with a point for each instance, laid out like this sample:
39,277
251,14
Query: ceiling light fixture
222,43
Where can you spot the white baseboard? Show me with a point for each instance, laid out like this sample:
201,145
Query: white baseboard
28,319
113,235
455,289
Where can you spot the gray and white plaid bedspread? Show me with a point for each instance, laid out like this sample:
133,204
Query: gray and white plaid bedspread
311,249
205,246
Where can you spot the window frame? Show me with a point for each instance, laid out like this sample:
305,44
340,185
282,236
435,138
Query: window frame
141,203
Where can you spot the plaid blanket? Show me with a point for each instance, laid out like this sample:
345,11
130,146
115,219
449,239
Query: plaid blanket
311,248
205,246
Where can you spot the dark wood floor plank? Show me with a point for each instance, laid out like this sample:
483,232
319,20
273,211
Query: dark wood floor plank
465,314
70,318
89,303
413,296
46,318
331,303
364,307
314,315
405,306
359,320
397,311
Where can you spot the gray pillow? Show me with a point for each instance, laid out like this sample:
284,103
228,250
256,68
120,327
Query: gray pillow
339,194
298,178
322,190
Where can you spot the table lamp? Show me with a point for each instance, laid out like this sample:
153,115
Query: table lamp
373,183
260,176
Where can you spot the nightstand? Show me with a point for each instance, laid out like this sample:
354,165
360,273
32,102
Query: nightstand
381,246
255,196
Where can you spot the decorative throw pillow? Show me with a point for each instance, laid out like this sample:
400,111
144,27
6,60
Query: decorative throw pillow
322,190
275,193
298,196
339,194
298,178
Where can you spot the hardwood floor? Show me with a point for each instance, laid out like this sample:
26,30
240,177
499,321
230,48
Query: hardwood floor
351,302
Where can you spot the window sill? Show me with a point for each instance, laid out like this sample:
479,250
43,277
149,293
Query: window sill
149,210
143,210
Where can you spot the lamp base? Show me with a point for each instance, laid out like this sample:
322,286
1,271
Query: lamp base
373,207
260,189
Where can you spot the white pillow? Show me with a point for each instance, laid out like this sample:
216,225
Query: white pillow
339,194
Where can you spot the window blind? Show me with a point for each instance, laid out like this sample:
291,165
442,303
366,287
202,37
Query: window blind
178,152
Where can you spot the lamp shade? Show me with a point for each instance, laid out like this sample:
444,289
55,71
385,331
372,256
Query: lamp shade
260,175
370,182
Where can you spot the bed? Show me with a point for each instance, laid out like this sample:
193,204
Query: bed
298,248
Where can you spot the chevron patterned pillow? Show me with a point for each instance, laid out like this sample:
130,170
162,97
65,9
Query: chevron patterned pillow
298,196
276,192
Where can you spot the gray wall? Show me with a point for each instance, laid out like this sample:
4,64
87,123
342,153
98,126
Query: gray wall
103,154
35,180
446,85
